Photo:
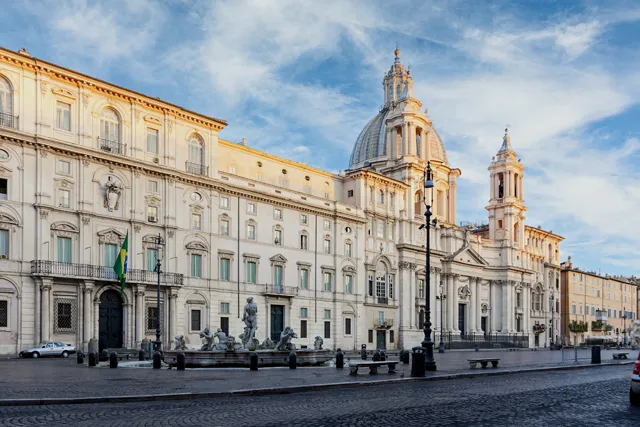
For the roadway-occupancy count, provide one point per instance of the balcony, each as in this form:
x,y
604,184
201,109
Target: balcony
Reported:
x,y
8,121
113,147
284,291
384,301
383,324
196,168
97,272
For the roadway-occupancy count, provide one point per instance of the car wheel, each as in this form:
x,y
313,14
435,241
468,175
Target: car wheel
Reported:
x,y
65,354
35,355
634,398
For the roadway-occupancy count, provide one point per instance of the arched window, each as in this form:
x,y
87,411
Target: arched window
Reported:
x,y
398,92
196,151
515,232
440,203
537,299
515,185
418,145
550,253
109,126
381,197
416,202
6,102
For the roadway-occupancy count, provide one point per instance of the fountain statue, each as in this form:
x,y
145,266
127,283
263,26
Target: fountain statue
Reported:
x,y
180,343
285,343
249,317
635,334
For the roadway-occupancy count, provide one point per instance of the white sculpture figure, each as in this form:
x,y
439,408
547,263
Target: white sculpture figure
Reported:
x,y
635,335
285,343
209,345
180,343
318,343
112,194
249,318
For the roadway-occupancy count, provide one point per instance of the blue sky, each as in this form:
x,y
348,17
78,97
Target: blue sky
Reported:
x,y
302,78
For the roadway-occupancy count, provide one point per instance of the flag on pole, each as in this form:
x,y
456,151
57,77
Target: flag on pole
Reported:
x,y
120,266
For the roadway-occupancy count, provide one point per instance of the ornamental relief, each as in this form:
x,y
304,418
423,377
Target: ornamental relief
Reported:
x,y
484,307
112,194
464,292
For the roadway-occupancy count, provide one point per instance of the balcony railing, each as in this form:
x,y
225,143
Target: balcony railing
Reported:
x,y
114,147
87,271
384,301
386,323
8,121
288,291
196,168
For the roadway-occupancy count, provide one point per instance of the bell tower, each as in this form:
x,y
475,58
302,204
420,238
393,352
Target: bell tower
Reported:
x,y
506,205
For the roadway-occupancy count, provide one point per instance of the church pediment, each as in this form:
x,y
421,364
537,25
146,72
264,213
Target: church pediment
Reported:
x,y
470,256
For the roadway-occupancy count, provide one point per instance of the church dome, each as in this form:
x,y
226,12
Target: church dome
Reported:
x,y
370,142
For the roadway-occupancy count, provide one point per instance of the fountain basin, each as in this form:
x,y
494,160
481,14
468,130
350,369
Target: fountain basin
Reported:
x,y
240,358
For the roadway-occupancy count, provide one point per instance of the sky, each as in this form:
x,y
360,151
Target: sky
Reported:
x,y
300,79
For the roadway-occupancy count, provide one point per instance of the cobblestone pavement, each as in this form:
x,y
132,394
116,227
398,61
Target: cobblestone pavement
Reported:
x,y
560,398
44,378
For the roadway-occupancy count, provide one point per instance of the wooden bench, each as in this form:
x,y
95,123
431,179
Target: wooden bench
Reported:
x,y
619,356
373,366
483,362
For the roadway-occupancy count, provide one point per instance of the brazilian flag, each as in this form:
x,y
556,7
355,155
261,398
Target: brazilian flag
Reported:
x,y
120,266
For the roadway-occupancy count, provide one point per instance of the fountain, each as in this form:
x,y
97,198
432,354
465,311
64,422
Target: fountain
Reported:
x,y
220,350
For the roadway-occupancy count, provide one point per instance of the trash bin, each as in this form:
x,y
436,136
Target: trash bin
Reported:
x,y
595,354
417,362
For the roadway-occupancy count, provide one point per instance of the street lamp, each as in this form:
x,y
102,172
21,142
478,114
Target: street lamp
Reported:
x,y
624,329
430,363
157,345
553,331
441,297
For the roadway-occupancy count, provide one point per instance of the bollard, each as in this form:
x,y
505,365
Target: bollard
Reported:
x,y
417,362
80,358
404,357
253,361
92,359
141,355
113,360
376,356
293,360
104,355
339,359
476,348
181,361
157,360
363,352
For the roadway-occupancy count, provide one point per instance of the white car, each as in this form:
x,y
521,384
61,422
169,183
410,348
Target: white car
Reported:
x,y
634,391
49,349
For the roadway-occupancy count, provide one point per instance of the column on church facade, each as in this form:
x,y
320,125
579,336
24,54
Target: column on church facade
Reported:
x,y
389,146
505,306
492,187
38,311
512,183
96,318
434,290
472,305
450,298
411,138
436,308
139,316
456,306
427,145
88,315
404,139
173,299
46,308
478,317
394,143
521,187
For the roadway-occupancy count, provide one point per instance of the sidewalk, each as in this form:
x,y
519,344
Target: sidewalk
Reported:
x,y
65,379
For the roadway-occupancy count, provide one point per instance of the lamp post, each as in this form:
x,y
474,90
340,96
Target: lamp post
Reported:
x,y
430,363
553,331
441,297
624,328
157,345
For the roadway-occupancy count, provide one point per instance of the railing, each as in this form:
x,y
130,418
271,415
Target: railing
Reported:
x,y
384,301
196,168
486,341
280,290
112,146
386,323
8,121
53,268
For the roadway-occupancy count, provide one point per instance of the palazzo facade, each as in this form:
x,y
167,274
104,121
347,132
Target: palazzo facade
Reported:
x,y
84,162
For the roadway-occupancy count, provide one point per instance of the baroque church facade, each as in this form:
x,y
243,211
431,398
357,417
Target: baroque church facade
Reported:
x,y
84,163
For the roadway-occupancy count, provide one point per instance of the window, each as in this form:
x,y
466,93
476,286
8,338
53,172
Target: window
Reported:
x,y
327,246
380,229
224,202
251,232
348,284
251,272
326,280
110,254
110,127
196,265
224,308
370,336
347,249
347,326
277,276
304,219
152,259
64,316
196,221
152,213
224,227
327,314
304,241
381,291
304,279
196,151
64,167
6,102
4,244
381,317
350,193
381,197
391,337
65,199
391,231
304,312
225,269
327,224
277,213
224,325
391,286
152,186
64,249
518,300
370,282
232,169
277,238
152,140
573,309
4,314
420,288
152,316
195,320
327,330
63,116
303,329
251,208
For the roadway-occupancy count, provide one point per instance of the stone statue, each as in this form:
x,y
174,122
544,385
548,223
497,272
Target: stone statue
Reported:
x,y
209,338
285,343
635,335
249,317
267,344
180,343
318,343
112,194
500,190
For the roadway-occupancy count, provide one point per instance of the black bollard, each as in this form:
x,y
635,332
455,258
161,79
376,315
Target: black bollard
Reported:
x,y
141,355
376,356
157,360
253,361
476,348
80,358
339,359
104,356
363,352
113,360
293,358
181,361
92,359
405,357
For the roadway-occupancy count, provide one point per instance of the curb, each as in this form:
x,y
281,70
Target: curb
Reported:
x,y
289,389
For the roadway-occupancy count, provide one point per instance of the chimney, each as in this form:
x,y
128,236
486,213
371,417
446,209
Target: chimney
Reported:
x,y
244,141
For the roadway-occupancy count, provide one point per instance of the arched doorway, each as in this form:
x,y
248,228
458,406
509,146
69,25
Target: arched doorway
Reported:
x,y
110,320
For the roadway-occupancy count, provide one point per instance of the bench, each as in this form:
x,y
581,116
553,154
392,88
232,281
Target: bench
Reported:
x,y
618,356
483,362
373,366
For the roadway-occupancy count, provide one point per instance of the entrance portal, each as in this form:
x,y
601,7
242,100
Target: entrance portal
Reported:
x,y
381,340
277,322
462,318
110,320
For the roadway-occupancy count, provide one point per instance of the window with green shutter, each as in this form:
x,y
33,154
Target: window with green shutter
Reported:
x,y
64,249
